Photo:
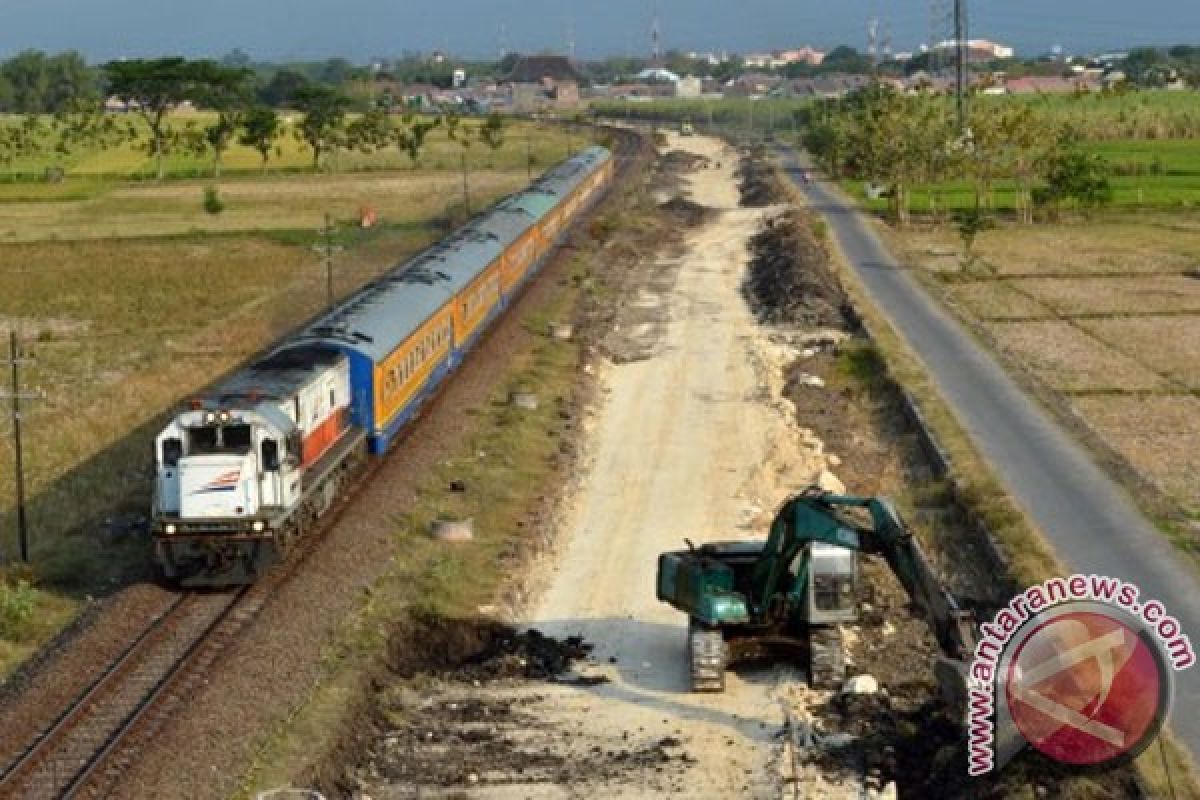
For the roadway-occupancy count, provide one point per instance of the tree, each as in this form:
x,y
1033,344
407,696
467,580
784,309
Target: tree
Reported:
x,y
221,89
152,87
28,79
69,82
371,132
281,90
324,112
491,132
410,135
1076,176
846,59
260,130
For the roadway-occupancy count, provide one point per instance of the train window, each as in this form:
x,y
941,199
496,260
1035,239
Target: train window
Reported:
x,y
172,451
332,398
235,438
270,455
202,440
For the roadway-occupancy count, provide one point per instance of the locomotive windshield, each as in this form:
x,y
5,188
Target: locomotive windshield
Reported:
x,y
211,439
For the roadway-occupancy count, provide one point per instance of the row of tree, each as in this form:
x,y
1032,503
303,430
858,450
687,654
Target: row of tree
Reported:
x,y
898,141
151,89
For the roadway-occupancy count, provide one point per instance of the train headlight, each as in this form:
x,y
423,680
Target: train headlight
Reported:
x,y
224,416
169,529
259,526
210,417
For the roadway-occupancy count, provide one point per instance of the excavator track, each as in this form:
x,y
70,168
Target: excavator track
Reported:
x,y
827,657
708,655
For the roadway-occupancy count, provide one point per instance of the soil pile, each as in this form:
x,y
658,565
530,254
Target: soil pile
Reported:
x,y
790,279
475,650
681,161
758,180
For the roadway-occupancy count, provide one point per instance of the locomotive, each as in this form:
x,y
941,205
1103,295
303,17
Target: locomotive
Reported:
x,y
255,460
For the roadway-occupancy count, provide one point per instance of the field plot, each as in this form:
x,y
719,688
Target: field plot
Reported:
x,y
1168,345
997,300
1158,435
277,203
1148,294
1067,359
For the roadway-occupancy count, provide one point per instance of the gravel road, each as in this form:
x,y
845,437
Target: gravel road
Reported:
x,y
1089,520
686,443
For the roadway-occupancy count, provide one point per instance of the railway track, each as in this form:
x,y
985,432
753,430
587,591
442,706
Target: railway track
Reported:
x,y
85,751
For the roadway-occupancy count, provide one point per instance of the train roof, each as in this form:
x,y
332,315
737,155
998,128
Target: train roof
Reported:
x,y
377,318
277,377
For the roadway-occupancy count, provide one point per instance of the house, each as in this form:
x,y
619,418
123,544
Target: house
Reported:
x,y
543,81
690,86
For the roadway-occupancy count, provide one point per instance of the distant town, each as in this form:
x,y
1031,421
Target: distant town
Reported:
x,y
35,82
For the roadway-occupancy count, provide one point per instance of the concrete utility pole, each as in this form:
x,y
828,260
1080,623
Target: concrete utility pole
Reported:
x,y
328,249
960,62
16,396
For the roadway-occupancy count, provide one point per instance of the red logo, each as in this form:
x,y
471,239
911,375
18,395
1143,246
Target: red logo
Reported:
x,y
1086,688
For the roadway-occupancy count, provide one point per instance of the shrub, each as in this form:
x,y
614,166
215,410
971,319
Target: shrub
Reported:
x,y
16,608
213,203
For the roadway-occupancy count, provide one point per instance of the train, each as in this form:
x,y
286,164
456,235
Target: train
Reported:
x,y
250,464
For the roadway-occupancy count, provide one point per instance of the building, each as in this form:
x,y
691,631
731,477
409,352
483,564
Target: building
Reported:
x,y
978,49
782,58
543,81
689,86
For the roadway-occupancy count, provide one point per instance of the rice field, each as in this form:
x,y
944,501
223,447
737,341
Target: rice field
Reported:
x,y
1104,313
1158,435
1168,345
1117,294
1066,359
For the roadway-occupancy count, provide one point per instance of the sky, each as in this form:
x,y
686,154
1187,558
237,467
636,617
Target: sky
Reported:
x,y
364,29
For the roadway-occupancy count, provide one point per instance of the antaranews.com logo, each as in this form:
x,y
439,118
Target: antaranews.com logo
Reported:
x,y
1077,667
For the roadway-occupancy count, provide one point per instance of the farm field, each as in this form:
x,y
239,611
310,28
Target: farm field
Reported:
x,y
132,300
1104,315
131,161
1154,174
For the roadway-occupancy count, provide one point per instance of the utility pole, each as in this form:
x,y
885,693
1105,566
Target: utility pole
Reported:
x,y
328,250
16,396
466,184
960,62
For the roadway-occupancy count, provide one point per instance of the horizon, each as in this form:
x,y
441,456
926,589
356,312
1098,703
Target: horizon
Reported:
x,y
319,29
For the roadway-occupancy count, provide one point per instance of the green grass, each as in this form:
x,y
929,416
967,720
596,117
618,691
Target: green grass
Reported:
x,y
1156,174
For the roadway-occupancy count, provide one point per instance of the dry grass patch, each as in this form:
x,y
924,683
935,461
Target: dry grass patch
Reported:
x,y
282,203
1115,294
1159,435
1108,247
1170,345
995,300
1067,359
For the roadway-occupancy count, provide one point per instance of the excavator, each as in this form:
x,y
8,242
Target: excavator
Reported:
x,y
788,595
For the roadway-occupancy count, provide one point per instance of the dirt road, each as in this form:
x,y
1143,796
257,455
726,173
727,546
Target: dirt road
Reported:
x,y
691,441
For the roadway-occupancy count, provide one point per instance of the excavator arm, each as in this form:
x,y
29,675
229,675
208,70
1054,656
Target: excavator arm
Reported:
x,y
954,627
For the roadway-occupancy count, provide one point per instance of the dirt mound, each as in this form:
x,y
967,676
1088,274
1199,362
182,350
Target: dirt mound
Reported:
x,y
482,650
682,161
758,180
688,212
790,279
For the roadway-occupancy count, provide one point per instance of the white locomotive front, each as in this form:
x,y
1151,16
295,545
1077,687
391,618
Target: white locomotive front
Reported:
x,y
243,470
